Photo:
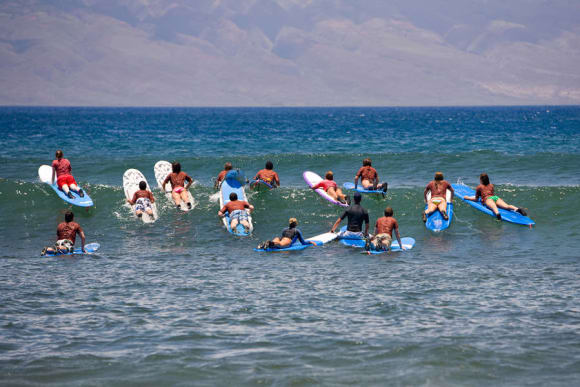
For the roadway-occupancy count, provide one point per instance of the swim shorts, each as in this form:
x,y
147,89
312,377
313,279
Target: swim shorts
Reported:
x,y
350,235
64,245
239,215
143,204
65,179
381,241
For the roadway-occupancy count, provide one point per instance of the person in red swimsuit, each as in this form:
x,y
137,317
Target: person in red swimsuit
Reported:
x,y
222,175
177,179
66,233
331,188
369,177
61,169
438,188
268,175
486,191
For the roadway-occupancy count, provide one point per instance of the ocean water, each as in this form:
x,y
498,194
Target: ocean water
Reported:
x,y
182,302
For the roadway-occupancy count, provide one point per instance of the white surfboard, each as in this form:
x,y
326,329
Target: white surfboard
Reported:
x,y
323,238
131,180
312,179
162,169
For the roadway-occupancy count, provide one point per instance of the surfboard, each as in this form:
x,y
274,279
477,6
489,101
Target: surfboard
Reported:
x,y
435,221
131,180
320,240
162,169
45,175
323,238
312,179
296,246
408,244
360,189
462,190
260,185
89,248
231,184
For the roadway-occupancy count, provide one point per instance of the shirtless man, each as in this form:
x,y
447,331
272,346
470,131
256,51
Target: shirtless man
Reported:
x,y
222,175
384,232
331,188
177,179
142,200
438,188
66,233
61,169
237,210
369,177
268,175
357,215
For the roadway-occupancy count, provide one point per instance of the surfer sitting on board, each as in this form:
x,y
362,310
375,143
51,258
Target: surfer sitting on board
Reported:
x,y
179,191
356,216
485,191
331,188
369,177
66,233
438,188
268,175
237,212
384,232
61,169
142,200
222,175
289,236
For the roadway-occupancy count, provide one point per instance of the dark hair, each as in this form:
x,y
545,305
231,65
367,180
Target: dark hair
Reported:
x,y
59,154
367,162
176,167
484,178
142,184
438,176
388,211
329,175
228,166
233,196
69,216
357,197
269,165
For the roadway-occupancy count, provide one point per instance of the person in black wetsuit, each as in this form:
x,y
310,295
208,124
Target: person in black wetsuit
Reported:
x,y
289,236
357,215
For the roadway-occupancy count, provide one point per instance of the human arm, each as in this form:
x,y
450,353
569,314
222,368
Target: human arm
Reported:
x,y
151,197
335,225
53,174
190,181
223,211
450,188
399,237
427,189
367,224
82,235
319,185
249,207
277,179
165,182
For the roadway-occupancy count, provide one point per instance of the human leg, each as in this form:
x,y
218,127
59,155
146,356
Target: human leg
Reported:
x,y
490,203
176,197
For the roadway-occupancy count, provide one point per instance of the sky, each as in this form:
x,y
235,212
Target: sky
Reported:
x,y
289,52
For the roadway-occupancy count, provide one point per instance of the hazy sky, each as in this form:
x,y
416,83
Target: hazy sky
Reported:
x,y
289,52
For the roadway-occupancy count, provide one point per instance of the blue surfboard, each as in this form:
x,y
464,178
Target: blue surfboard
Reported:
x,y
229,185
408,243
462,190
296,246
260,184
435,221
89,248
45,175
360,189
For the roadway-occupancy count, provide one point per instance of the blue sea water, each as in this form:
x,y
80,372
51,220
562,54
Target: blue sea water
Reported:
x,y
183,302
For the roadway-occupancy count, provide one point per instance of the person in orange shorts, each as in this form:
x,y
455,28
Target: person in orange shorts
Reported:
x,y
61,169
268,175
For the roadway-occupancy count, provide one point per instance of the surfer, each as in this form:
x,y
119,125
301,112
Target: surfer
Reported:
x,y
485,191
356,216
438,188
177,179
268,175
384,232
331,188
142,200
289,235
237,210
66,233
61,169
369,177
222,175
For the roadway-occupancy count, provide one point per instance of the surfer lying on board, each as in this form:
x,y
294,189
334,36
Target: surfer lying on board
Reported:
x,y
356,216
142,200
237,212
384,232
66,233
177,179
268,175
438,188
289,236
222,175
331,188
61,169
485,191
369,177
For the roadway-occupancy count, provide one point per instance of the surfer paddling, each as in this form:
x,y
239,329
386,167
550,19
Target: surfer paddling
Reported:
x,y
331,188
289,235
66,233
485,190
222,175
238,212
177,179
142,199
357,215
438,188
61,169
384,233
369,177
268,175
